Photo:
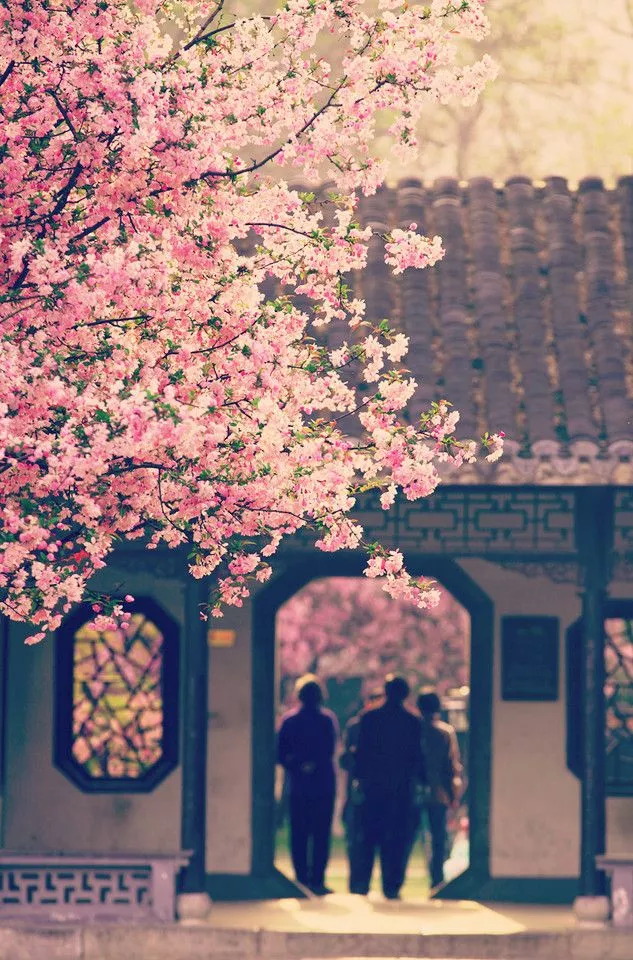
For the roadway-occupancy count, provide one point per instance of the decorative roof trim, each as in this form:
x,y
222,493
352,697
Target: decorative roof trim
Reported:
x,y
552,464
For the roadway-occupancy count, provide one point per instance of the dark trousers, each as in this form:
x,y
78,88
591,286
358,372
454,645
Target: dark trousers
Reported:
x,y
353,822
384,826
436,821
310,832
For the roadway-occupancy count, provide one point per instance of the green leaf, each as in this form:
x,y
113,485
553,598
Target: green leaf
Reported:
x,y
83,272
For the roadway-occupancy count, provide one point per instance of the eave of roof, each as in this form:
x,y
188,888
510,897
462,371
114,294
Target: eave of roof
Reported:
x,y
526,326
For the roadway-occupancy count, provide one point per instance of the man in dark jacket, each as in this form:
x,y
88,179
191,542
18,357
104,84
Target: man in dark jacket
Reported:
x,y
444,772
306,744
350,742
388,767
351,810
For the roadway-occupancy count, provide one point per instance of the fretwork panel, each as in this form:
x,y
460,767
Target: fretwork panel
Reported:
x,y
123,889
476,522
471,522
378,524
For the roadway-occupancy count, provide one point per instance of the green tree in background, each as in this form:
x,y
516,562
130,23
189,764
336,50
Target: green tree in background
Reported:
x,y
560,105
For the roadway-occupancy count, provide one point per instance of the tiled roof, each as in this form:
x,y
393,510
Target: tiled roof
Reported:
x,y
526,326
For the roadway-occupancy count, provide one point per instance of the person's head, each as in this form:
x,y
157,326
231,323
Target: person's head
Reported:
x,y
373,698
429,703
396,689
309,690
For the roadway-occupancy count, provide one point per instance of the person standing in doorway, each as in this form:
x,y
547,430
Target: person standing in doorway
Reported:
x,y
388,768
306,745
351,812
444,772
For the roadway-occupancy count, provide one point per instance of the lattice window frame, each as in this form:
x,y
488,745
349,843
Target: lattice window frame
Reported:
x,y
615,787
63,736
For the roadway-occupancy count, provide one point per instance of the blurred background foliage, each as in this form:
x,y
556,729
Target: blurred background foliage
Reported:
x,y
562,103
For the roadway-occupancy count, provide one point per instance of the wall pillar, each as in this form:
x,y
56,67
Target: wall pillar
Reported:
x,y
194,899
594,538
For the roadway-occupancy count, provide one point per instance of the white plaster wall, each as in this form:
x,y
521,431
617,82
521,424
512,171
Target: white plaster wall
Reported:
x,y
230,793
535,802
229,748
44,811
620,825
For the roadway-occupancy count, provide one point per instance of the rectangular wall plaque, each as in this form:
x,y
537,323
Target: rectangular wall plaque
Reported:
x,y
529,658
221,638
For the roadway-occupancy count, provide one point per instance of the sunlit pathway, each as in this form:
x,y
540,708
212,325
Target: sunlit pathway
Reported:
x,y
345,913
416,886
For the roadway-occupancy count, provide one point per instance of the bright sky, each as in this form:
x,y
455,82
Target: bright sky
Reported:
x,y
541,125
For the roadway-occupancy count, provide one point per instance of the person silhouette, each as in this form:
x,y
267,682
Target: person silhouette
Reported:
x,y
389,767
444,770
351,812
306,745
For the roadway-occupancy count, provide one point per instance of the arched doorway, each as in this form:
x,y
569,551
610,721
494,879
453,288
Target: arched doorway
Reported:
x,y
350,633
301,571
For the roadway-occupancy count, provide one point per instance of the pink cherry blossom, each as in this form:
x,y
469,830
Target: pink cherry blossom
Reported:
x,y
342,626
406,249
162,287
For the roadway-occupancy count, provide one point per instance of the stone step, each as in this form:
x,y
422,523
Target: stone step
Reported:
x,y
203,942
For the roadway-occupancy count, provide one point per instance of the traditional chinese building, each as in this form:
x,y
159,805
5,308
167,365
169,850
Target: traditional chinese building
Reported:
x,y
165,741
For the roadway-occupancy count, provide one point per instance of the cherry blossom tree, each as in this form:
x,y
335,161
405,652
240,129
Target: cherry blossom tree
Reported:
x,y
348,626
160,281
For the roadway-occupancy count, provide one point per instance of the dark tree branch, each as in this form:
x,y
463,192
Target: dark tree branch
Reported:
x,y
7,73
271,156
62,199
62,109
282,226
89,230
21,277
214,33
200,36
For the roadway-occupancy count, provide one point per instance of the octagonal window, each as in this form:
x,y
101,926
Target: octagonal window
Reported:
x,y
116,700
618,691
618,698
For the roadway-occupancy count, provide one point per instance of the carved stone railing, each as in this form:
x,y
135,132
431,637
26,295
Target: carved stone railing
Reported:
x,y
89,888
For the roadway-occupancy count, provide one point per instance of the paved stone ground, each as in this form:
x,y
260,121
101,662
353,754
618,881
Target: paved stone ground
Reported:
x,y
203,942
338,927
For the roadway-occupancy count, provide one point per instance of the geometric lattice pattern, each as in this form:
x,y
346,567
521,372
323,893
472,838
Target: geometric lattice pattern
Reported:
x,y
89,887
493,521
117,717
83,886
618,654
475,521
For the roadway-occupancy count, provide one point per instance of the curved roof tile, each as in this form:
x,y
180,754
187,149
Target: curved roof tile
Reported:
x,y
526,325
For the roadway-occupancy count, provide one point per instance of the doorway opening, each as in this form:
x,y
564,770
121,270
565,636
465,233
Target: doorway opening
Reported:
x,y
350,633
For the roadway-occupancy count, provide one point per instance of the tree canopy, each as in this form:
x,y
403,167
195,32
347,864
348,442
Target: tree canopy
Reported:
x,y
160,293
